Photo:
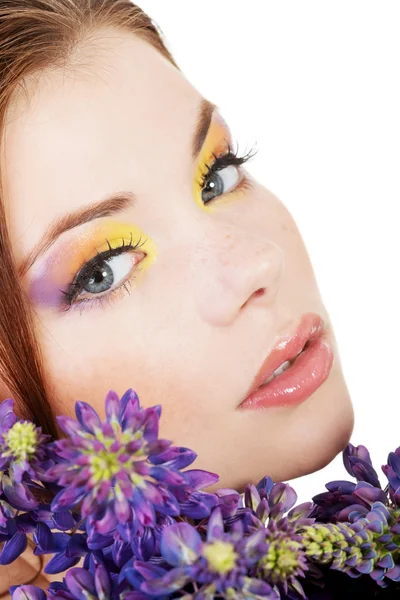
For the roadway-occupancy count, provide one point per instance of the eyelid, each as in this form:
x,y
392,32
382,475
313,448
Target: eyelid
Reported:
x,y
221,160
142,245
74,288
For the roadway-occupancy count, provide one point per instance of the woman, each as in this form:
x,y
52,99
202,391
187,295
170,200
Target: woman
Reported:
x,y
138,251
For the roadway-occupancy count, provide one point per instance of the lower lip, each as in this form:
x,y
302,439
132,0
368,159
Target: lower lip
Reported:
x,y
297,383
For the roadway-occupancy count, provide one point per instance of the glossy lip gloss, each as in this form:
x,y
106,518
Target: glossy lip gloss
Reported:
x,y
311,354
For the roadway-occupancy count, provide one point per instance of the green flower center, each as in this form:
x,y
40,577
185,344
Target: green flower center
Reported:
x,y
22,440
104,466
282,560
221,556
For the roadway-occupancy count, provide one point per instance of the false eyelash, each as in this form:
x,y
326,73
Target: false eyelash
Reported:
x,y
225,160
90,268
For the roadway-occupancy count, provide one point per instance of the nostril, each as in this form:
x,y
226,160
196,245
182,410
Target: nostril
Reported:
x,y
259,292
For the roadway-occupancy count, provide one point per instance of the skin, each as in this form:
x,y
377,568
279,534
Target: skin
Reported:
x,y
192,332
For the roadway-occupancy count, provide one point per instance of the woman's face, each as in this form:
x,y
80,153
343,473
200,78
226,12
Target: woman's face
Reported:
x,y
181,318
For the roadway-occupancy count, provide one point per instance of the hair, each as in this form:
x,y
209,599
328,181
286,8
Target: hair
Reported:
x,y
36,35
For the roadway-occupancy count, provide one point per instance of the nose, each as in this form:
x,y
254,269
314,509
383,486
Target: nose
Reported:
x,y
233,270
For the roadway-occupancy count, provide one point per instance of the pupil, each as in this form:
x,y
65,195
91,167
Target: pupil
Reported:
x,y
101,280
99,276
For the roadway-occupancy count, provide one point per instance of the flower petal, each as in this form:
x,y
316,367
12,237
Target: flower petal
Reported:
x,y
67,498
69,425
7,415
87,417
283,492
173,581
177,457
199,479
60,562
229,500
167,476
102,582
43,538
215,526
13,548
63,520
80,583
28,592
180,544
18,494
113,407
199,505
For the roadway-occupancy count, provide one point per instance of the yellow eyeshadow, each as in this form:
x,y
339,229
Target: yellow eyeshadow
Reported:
x,y
217,140
94,241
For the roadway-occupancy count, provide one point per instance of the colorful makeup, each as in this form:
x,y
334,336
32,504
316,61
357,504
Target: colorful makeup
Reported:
x,y
80,261
53,277
217,155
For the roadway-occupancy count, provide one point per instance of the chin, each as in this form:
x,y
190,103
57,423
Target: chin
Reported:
x,y
319,447
310,442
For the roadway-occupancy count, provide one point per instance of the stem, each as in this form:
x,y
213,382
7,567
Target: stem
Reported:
x,y
75,528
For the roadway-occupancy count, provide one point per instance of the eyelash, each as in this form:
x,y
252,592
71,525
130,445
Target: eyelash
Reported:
x,y
77,285
225,160
220,162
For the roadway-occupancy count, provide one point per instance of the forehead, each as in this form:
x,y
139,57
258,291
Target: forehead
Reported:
x,y
100,127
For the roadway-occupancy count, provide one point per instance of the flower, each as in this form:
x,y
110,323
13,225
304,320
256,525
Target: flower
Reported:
x,y
357,462
345,497
22,446
27,592
365,547
392,472
120,469
218,565
285,558
116,497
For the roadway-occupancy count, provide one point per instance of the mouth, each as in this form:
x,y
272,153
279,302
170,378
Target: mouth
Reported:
x,y
297,366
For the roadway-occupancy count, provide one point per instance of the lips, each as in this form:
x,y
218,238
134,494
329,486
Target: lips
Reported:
x,y
288,347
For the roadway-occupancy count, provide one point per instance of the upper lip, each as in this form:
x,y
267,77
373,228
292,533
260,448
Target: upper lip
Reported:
x,y
288,346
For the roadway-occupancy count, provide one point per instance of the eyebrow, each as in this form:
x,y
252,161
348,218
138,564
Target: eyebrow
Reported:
x,y
114,203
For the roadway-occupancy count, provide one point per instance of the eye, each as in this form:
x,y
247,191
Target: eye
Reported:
x,y
223,175
220,183
105,274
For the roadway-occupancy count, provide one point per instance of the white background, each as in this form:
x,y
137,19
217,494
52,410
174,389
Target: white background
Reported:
x,y
316,85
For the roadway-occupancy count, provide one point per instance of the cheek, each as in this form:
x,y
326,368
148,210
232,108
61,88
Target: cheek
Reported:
x,y
268,217
132,344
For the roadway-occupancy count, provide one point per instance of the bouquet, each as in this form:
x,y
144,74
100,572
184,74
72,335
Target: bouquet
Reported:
x,y
116,498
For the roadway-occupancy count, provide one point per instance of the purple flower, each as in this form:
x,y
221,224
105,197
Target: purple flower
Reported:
x,y
22,446
284,559
392,472
216,566
119,469
121,499
27,592
357,462
82,584
269,500
346,501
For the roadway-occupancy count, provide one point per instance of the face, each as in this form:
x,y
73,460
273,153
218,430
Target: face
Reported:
x,y
197,280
